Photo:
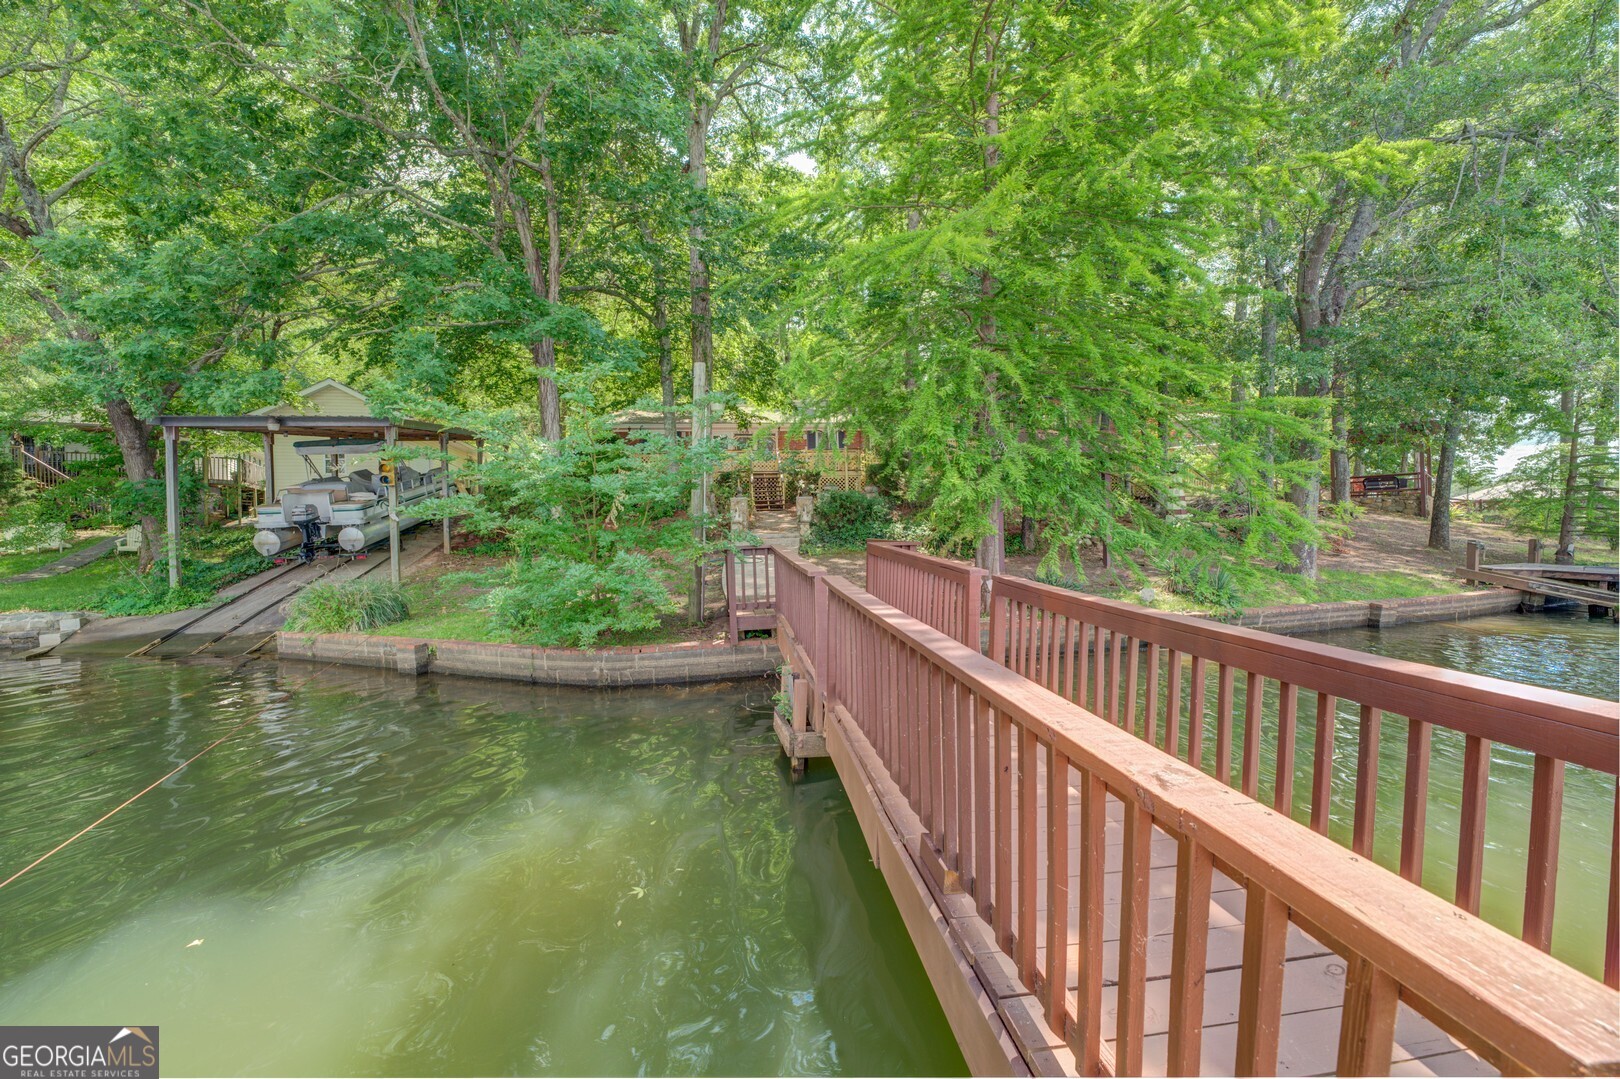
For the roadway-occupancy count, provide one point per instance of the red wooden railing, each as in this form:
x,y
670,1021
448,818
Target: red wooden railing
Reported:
x,y
945,594
1013,786
801,604
750,590
1152,674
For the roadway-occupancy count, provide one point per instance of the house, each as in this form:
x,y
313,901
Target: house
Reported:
x,y
786,456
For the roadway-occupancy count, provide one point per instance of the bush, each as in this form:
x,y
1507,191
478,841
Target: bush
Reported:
x,y
1208,583
847,519
555,601
211,560
346,607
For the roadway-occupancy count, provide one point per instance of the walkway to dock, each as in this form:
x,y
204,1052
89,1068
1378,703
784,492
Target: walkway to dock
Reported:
x,y
1206,931
76,560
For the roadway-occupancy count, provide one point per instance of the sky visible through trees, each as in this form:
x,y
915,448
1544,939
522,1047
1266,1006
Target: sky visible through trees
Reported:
x,y
1157,275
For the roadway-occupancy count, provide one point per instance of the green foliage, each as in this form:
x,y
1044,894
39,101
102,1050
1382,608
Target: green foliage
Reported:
x,y
346,607
598,525
845,520
211,560
1207,583
554,601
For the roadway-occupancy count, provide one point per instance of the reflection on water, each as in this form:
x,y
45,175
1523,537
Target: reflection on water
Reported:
x,y
1563,650
380,875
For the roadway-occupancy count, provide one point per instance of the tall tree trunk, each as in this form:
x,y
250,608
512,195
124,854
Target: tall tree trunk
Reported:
x,y
1440,512
133,436
666,364
543,283
1565,555
992,551
1340,451
702,322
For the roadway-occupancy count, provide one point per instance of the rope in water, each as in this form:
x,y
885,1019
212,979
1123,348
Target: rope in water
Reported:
x,y
156,783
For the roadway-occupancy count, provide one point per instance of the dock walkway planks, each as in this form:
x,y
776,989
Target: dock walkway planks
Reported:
x,y
1313,979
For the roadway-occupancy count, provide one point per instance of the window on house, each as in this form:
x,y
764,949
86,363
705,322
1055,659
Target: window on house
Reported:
x,y
810,440
841,440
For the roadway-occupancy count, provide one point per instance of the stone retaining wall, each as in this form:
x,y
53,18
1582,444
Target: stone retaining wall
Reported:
x,y
661,664
37,629
1317,617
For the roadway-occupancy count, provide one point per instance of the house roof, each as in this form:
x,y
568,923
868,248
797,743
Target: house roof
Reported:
x,y
311,390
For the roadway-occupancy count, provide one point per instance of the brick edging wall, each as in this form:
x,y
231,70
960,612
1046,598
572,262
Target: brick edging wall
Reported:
x,y
662,664
1315,617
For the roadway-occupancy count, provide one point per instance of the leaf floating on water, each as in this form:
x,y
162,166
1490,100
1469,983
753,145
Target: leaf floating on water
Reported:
x,y
194,943
639,892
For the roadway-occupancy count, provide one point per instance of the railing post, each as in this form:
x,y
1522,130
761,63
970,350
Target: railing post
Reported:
x,y
731,595
978,587
819,647
1473,557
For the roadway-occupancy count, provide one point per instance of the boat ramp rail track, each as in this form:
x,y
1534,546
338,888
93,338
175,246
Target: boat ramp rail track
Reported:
x,y
1122,911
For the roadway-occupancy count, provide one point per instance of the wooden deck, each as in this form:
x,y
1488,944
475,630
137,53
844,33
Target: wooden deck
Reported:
x,y
1313,976
1203,931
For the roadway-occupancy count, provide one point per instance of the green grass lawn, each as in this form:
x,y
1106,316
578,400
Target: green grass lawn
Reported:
x,y
1274,587
76,590
21,563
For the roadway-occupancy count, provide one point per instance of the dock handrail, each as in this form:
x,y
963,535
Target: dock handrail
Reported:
x,y
976,749
750,589
802,603
1091,650
942,593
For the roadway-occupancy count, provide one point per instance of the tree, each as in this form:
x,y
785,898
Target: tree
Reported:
x,y
1019,301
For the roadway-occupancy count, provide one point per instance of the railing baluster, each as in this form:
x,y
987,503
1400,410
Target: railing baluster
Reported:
x,y
1265,947
1546,813
1150,709
1223,725
1327,708
1254,694
1282,795
1057,889
1415,804
1070,633
1189,957
984,722
1133,929
1367,1023
1172,705
1115,659
1361,835
1476,779
1611,941
1082,656
1003,829
1085,1037
1028,871
1133,663
1195,715
1049,674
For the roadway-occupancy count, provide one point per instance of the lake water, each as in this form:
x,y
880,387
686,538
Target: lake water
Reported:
x,y
378,875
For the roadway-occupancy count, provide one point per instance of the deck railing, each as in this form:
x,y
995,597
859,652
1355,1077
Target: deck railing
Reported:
x,y
750,590
801,604
1013,785
944,594
1156,675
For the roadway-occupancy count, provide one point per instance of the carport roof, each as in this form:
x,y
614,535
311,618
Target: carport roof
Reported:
x,y
319,427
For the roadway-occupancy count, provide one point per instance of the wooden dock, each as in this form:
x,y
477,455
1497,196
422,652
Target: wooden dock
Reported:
x,y
1593,585
1204,931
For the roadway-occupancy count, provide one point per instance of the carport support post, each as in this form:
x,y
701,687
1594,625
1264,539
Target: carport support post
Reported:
x,y
444,482
269,468
393,511
171,492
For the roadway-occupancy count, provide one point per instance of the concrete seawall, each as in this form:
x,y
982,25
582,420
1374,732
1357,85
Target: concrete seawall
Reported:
x,y
662,664
1317,617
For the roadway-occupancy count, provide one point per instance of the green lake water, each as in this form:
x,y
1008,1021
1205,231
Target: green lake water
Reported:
x,y
379,875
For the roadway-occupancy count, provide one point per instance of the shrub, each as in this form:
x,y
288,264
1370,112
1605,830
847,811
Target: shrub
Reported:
x,y
846,519
555,601
1205,582
211,560
346,607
